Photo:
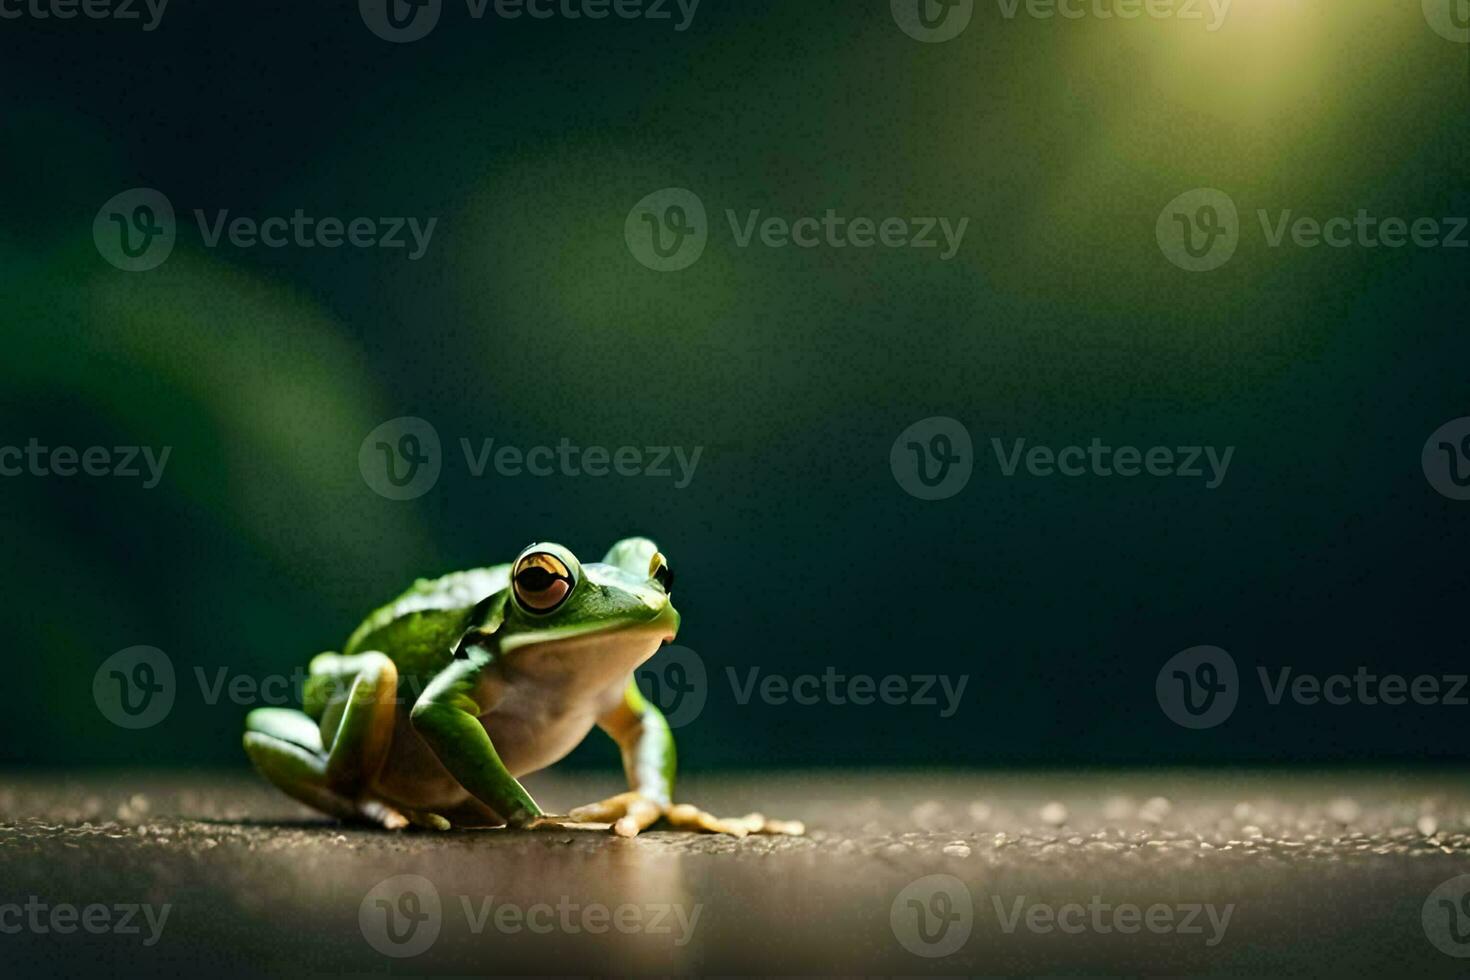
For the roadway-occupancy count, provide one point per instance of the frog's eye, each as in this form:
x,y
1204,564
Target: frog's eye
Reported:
x,y
660,572
542,581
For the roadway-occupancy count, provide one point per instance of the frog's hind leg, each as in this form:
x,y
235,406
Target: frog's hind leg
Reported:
x,y
286,748
363,732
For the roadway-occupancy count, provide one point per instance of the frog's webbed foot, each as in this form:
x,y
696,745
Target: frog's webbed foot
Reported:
x,y
631,813
685,816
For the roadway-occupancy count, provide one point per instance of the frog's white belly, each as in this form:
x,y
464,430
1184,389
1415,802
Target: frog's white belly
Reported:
x,y
533,729
544,705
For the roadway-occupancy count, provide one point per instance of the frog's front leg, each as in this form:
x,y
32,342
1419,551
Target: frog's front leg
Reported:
x,y
649,760
448,717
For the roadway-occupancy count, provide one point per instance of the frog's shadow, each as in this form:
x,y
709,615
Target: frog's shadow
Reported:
x,y
367,829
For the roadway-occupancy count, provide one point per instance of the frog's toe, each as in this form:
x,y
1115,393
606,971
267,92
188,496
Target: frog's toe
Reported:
x,y
760,824
553,821
629,813
424,820
382,814
687,817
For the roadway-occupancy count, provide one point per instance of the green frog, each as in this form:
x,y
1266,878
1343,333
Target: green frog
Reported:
x,y
441,699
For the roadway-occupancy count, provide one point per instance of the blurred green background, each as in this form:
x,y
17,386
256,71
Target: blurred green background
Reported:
x,y
529,321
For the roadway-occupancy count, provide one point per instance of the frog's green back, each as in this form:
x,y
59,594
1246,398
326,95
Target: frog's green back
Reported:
x,y
420,628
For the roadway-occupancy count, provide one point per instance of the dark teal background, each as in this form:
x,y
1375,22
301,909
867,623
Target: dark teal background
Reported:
x,y
528,321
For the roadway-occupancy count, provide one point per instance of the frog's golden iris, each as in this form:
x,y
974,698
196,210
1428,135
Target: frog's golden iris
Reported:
x,y
542,581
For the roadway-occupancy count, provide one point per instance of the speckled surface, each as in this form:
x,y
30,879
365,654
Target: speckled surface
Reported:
x,y
1317,873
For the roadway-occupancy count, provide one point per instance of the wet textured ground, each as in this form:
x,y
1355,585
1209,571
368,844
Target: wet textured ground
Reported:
x,y
1101,873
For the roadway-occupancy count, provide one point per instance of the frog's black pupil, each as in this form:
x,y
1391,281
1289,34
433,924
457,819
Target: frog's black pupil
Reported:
x,y
535,578
665,577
